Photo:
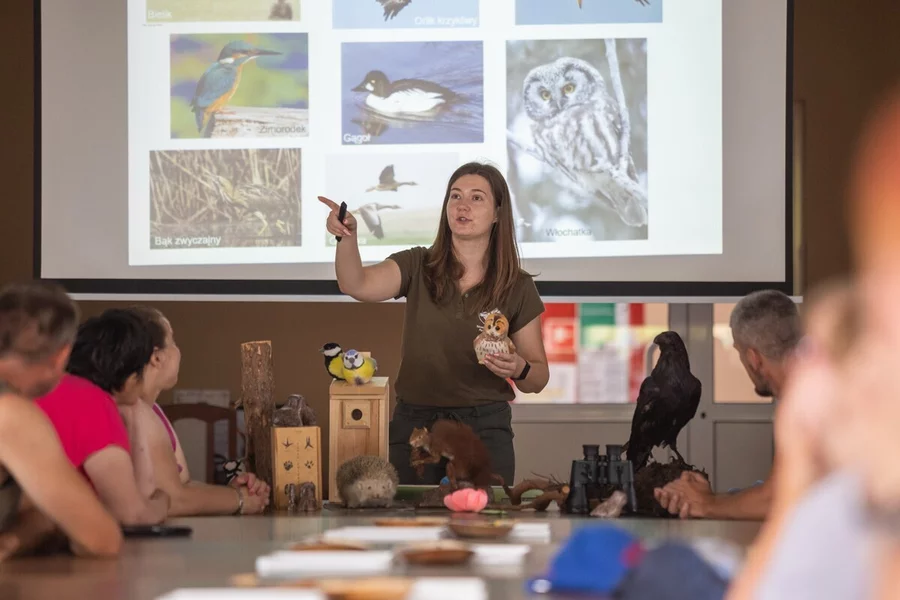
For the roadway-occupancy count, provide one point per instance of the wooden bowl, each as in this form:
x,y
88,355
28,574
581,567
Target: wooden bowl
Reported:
x,y
372,588
328,546
414,522
481,529
437,554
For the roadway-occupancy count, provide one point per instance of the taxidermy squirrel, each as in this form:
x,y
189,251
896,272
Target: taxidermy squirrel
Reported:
x,y
468,457
494,336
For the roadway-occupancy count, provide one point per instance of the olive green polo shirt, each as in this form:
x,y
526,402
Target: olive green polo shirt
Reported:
x,y
438,366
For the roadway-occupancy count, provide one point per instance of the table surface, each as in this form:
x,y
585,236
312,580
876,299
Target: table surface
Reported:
x,y
224,546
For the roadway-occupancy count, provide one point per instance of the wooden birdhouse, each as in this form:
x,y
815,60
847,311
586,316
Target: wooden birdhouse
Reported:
x,y
358,424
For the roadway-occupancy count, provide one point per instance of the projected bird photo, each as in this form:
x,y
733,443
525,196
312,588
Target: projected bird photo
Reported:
x,y
572,12
396,198
224,198
211,11
402,14
412,93
577,139
239,85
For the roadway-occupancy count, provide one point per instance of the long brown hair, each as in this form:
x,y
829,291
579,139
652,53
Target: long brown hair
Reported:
x,y
443,270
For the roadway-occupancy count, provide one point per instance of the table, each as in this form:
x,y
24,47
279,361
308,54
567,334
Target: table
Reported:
x,y
225,546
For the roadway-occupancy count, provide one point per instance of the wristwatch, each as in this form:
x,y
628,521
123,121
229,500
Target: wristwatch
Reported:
x,y
524,372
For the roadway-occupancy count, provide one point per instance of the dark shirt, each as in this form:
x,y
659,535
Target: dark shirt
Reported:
x,y
438,366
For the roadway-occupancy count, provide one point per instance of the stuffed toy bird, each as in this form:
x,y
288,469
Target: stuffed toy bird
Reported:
x,y
494,336
358,368
333,360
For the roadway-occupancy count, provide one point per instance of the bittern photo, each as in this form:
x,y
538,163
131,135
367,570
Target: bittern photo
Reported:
x,y
395,197
240,85
224,198
211,11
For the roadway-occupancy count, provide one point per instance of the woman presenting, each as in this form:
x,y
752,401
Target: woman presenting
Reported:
x,y
472,267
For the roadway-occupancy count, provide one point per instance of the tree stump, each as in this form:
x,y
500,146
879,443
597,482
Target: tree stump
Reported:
x,y
258,400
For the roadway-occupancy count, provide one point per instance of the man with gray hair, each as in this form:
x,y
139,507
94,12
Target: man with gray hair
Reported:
x,y
766,329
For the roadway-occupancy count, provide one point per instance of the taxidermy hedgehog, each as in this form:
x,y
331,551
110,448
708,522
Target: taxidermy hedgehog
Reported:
x,y
367,482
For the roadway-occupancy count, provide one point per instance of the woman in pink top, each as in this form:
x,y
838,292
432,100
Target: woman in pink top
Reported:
x,y
244,495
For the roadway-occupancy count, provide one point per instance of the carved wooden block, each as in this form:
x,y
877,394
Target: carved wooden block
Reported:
x,y
297,458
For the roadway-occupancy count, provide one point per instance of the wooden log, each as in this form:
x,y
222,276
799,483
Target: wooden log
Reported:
x,y
240,121
258,400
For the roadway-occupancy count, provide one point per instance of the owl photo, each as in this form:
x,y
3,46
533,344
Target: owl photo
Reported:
x,y
577,139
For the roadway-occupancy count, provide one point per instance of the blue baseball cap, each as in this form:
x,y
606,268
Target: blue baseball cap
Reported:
x,y
595,559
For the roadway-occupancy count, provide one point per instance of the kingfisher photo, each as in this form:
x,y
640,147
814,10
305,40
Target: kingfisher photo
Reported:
x,y
224,198
211,11
395,197
239,85
412,93
404,14
576,118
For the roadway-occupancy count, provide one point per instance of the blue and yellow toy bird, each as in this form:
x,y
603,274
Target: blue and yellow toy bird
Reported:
x,y
220,81
358,368
334,359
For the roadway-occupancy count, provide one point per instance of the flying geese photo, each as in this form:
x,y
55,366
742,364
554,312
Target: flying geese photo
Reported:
x,y
211,11
239,85
588,12
404,14
396,198
224,198
577,138
412,93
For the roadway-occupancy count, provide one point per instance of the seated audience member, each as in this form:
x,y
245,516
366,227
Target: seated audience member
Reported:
x,y
765,327
108,357
40,493
244,495
816,541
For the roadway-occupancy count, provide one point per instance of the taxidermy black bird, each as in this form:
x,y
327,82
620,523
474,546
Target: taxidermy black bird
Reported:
x,y
334,360
667,401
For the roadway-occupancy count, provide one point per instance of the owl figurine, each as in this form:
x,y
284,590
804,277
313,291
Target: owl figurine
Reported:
x,y
494,336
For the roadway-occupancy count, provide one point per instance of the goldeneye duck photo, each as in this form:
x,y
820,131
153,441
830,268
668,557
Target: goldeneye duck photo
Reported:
x,y
404,96
415,92
404,14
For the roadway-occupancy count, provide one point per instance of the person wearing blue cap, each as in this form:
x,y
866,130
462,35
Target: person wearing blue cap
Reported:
x,y
611,561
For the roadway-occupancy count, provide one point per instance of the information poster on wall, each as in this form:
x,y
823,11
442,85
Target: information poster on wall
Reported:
x,y
603,356
559,325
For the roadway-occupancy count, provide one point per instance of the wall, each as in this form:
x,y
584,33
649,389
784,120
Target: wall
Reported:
x,y
845,54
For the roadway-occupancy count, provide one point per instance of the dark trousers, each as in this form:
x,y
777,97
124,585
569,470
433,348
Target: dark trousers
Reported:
x,y
491,422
